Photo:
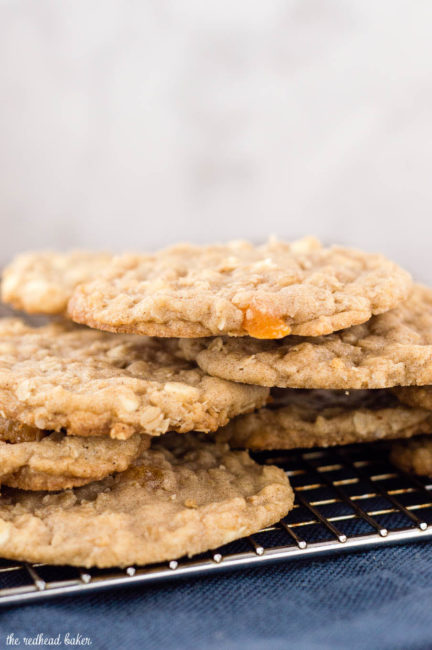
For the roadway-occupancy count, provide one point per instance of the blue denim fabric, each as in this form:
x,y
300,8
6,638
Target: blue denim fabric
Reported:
x,y
376,599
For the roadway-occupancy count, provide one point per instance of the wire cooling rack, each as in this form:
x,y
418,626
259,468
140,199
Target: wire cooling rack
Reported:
x,y
347,499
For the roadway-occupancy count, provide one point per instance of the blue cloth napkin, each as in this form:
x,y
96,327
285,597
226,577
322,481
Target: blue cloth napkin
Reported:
x,y
376,599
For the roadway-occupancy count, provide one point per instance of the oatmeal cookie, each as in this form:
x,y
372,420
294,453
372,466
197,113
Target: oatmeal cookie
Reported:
x,y
58,461
392,349
418,396
92,383
413,456
183,496
239,289
42,282
325,418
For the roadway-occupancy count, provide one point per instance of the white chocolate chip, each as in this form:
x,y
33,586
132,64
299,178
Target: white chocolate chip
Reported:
x,y
181,390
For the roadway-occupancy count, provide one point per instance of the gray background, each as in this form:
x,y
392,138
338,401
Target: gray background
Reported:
x,y
132,124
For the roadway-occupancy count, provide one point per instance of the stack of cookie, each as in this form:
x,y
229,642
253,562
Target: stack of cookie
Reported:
x,y
274,346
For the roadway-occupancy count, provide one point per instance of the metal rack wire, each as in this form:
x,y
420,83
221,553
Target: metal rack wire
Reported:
x,y
347,499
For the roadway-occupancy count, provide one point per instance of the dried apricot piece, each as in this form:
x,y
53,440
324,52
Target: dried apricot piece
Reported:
x,y
264,326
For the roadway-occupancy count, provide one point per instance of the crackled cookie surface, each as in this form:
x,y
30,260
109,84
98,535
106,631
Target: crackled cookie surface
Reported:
x,y
299,419
42,282
91,383
240,289
183,496
413,455
391,349
58,461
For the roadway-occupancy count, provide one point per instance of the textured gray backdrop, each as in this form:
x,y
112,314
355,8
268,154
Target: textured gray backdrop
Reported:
x,y
135,123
